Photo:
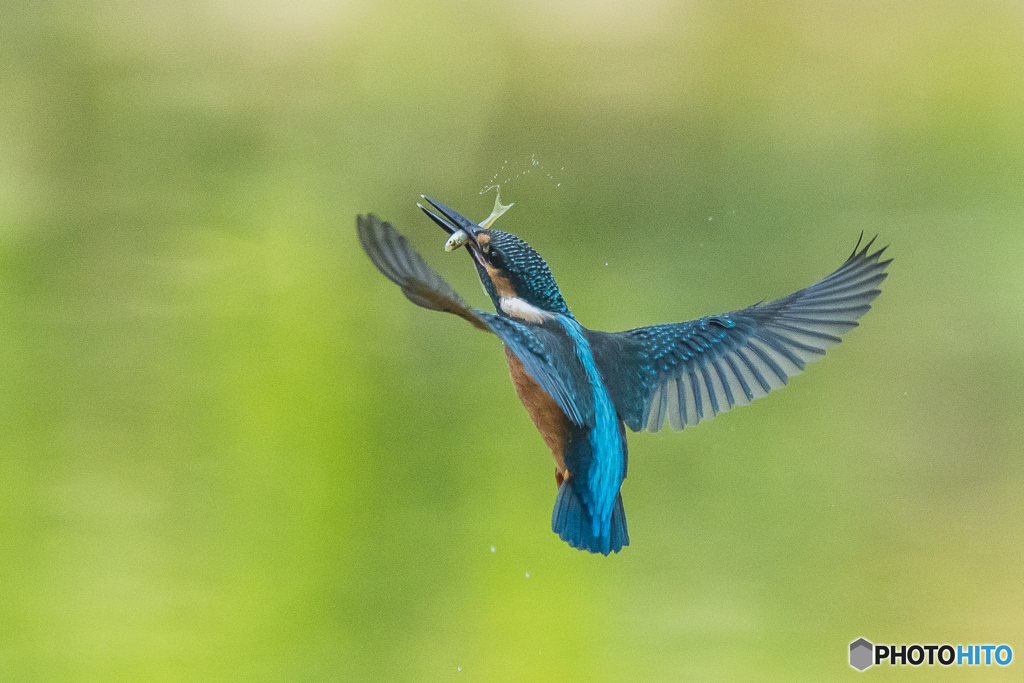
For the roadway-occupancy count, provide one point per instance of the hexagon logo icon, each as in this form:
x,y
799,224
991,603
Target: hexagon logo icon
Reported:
x,y
861,652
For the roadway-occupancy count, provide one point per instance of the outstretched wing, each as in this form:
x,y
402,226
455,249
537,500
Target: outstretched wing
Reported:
x,y
694,370
402,264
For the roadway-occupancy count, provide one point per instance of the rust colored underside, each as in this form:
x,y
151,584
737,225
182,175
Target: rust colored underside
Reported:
x,y
551,422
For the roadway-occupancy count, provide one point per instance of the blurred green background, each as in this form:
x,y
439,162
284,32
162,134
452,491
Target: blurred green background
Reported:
x,y
231,451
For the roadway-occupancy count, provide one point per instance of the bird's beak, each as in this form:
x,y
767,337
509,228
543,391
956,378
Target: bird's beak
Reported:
x,y
461,229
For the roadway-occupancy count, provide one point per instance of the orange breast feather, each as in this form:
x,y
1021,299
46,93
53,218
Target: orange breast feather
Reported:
x,y
551,422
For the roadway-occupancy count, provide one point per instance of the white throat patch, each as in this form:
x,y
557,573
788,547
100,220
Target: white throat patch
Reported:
x,y
518,308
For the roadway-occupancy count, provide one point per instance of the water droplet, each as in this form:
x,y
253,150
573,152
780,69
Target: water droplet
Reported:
x,y
527,574
493,548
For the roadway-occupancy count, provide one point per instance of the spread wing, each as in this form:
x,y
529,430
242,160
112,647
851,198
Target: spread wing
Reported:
x,y
532,343
400,263
694,370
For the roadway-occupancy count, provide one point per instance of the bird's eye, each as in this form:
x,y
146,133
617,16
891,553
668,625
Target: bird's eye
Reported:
x,y
496,259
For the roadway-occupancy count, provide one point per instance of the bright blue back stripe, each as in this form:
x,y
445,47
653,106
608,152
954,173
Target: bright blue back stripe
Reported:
x,y
605,474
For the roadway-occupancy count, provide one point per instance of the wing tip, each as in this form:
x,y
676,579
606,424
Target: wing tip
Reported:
x,y
862,253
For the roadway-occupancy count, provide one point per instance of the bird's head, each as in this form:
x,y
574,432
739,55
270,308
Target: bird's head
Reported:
x,y
515,276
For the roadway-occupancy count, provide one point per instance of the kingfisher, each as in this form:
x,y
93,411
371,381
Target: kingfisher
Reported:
x,y
582,387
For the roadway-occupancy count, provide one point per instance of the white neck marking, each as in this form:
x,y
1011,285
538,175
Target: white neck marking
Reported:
x,y
518,308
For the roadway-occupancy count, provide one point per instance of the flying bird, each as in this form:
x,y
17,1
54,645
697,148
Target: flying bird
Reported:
x,y
582,387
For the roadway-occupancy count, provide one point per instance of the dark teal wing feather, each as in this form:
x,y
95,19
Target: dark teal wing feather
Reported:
x,y
689,372
396,259
541,350
550,359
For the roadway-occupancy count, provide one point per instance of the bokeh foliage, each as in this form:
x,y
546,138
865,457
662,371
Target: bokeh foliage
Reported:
x,y
230,450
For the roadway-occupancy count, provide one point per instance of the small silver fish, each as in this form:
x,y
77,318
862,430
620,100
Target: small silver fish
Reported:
x,y
460,237
457,239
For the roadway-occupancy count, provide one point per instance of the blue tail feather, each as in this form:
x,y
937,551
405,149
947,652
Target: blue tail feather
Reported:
x,y
573,523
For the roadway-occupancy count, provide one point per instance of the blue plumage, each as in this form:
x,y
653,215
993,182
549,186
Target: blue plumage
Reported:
x,y
528,274
582,386
572,522
604,474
